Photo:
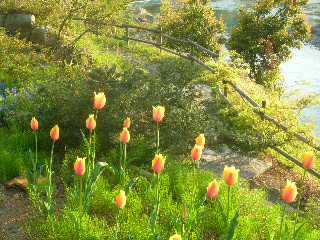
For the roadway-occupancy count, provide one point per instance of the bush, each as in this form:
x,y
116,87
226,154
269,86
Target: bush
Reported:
x,y
194,21
266,34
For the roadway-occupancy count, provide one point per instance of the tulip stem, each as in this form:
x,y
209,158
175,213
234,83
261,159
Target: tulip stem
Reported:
x,y
35,161
124,158
299,202
229,195
80,194
158,137
282,219
50,175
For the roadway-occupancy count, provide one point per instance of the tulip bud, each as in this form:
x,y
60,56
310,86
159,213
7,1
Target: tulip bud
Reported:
x,y
230,175
175,237
196,153
289,193
34,124
213,189
125,136
127,123
308,160
121,199
99,100
91,122
80,166
54,133
158,163
200,140
158,113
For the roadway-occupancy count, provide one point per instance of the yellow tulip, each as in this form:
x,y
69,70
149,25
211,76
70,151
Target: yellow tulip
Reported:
x,y
230,175
289,193
99,100
34,124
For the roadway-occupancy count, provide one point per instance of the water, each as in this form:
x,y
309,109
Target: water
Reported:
x,y
302,72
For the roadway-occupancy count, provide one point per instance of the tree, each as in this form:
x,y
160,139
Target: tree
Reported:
x,y
194,20
59,14
266,34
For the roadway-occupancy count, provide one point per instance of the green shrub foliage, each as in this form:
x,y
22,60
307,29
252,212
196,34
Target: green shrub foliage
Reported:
x,y
194,21
266,34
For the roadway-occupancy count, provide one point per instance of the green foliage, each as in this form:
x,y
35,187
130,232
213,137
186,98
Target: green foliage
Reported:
x,y
71,225
15,155
192,21
266,34
59,14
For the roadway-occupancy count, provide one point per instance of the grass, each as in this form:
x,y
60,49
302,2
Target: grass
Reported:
x,y
179,188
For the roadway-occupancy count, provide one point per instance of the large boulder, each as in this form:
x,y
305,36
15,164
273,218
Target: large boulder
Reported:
x,y
43,36
14,22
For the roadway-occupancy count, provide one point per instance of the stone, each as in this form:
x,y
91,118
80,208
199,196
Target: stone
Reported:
x,y
43,36
2,20
249,167
14,22
205,91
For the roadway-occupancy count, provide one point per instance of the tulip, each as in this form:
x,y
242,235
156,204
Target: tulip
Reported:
x,y
158,163
230,175
308,160
121,199
125,136
34,124
127,123
196,152
158,113
213,189
80,166
54,133
99,100
289,193
175,237
91,122
200,140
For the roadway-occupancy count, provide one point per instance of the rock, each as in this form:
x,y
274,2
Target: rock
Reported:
x,y
14,22
205,91
43,36
2,19
249,167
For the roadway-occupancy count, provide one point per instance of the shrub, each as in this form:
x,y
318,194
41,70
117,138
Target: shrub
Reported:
x,y
194,21
266,34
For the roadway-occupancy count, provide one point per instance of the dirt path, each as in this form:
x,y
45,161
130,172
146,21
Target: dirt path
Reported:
x,y
15,208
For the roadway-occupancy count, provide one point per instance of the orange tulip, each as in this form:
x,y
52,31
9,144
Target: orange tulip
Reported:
x,y
200,140
127,123
121,199
158,163
158,113
213,189
289,193
54,133
196,153
230,175
99,100
308,160
91,122
80,166
125,136
175,237
34,124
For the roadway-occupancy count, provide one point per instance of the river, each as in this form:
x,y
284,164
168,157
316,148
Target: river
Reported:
x,y
302,71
